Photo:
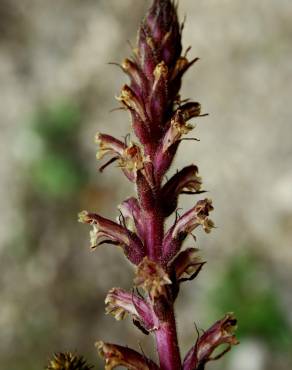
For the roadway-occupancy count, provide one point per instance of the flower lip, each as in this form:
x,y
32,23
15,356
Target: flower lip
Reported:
x,y
108,145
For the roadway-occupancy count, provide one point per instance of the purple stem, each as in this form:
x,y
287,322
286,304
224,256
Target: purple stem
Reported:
x,y
166,335
167,343
154,234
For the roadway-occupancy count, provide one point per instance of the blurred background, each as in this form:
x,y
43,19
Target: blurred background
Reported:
x,y
57,90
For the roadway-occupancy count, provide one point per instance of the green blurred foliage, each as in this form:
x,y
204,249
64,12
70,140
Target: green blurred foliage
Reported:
x,y
248,289
58,123
58,172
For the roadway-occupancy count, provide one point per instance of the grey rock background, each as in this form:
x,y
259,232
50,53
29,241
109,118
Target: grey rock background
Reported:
x,y
52,297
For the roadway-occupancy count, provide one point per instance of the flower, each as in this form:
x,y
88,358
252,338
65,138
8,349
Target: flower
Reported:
x,y
120,303
184,225
107,231
222,332
152,277
116,355
185,181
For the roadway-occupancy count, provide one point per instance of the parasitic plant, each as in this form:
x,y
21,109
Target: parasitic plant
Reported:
x,y
160,119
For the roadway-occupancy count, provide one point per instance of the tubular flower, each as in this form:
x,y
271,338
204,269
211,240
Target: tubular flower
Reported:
x,y
185,181
131,211
107,231
108,145
115,356
222,332
120,303
187,265
195,217
130,158
178,127
160,119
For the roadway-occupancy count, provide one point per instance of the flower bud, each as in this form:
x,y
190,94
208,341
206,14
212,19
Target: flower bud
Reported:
x,y
159,94
139,83
162,27
132,102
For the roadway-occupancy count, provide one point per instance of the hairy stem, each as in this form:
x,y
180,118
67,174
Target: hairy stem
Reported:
x,y
154,234
167,343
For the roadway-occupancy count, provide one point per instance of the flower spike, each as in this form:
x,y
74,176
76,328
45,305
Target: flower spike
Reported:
x,y
160,119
